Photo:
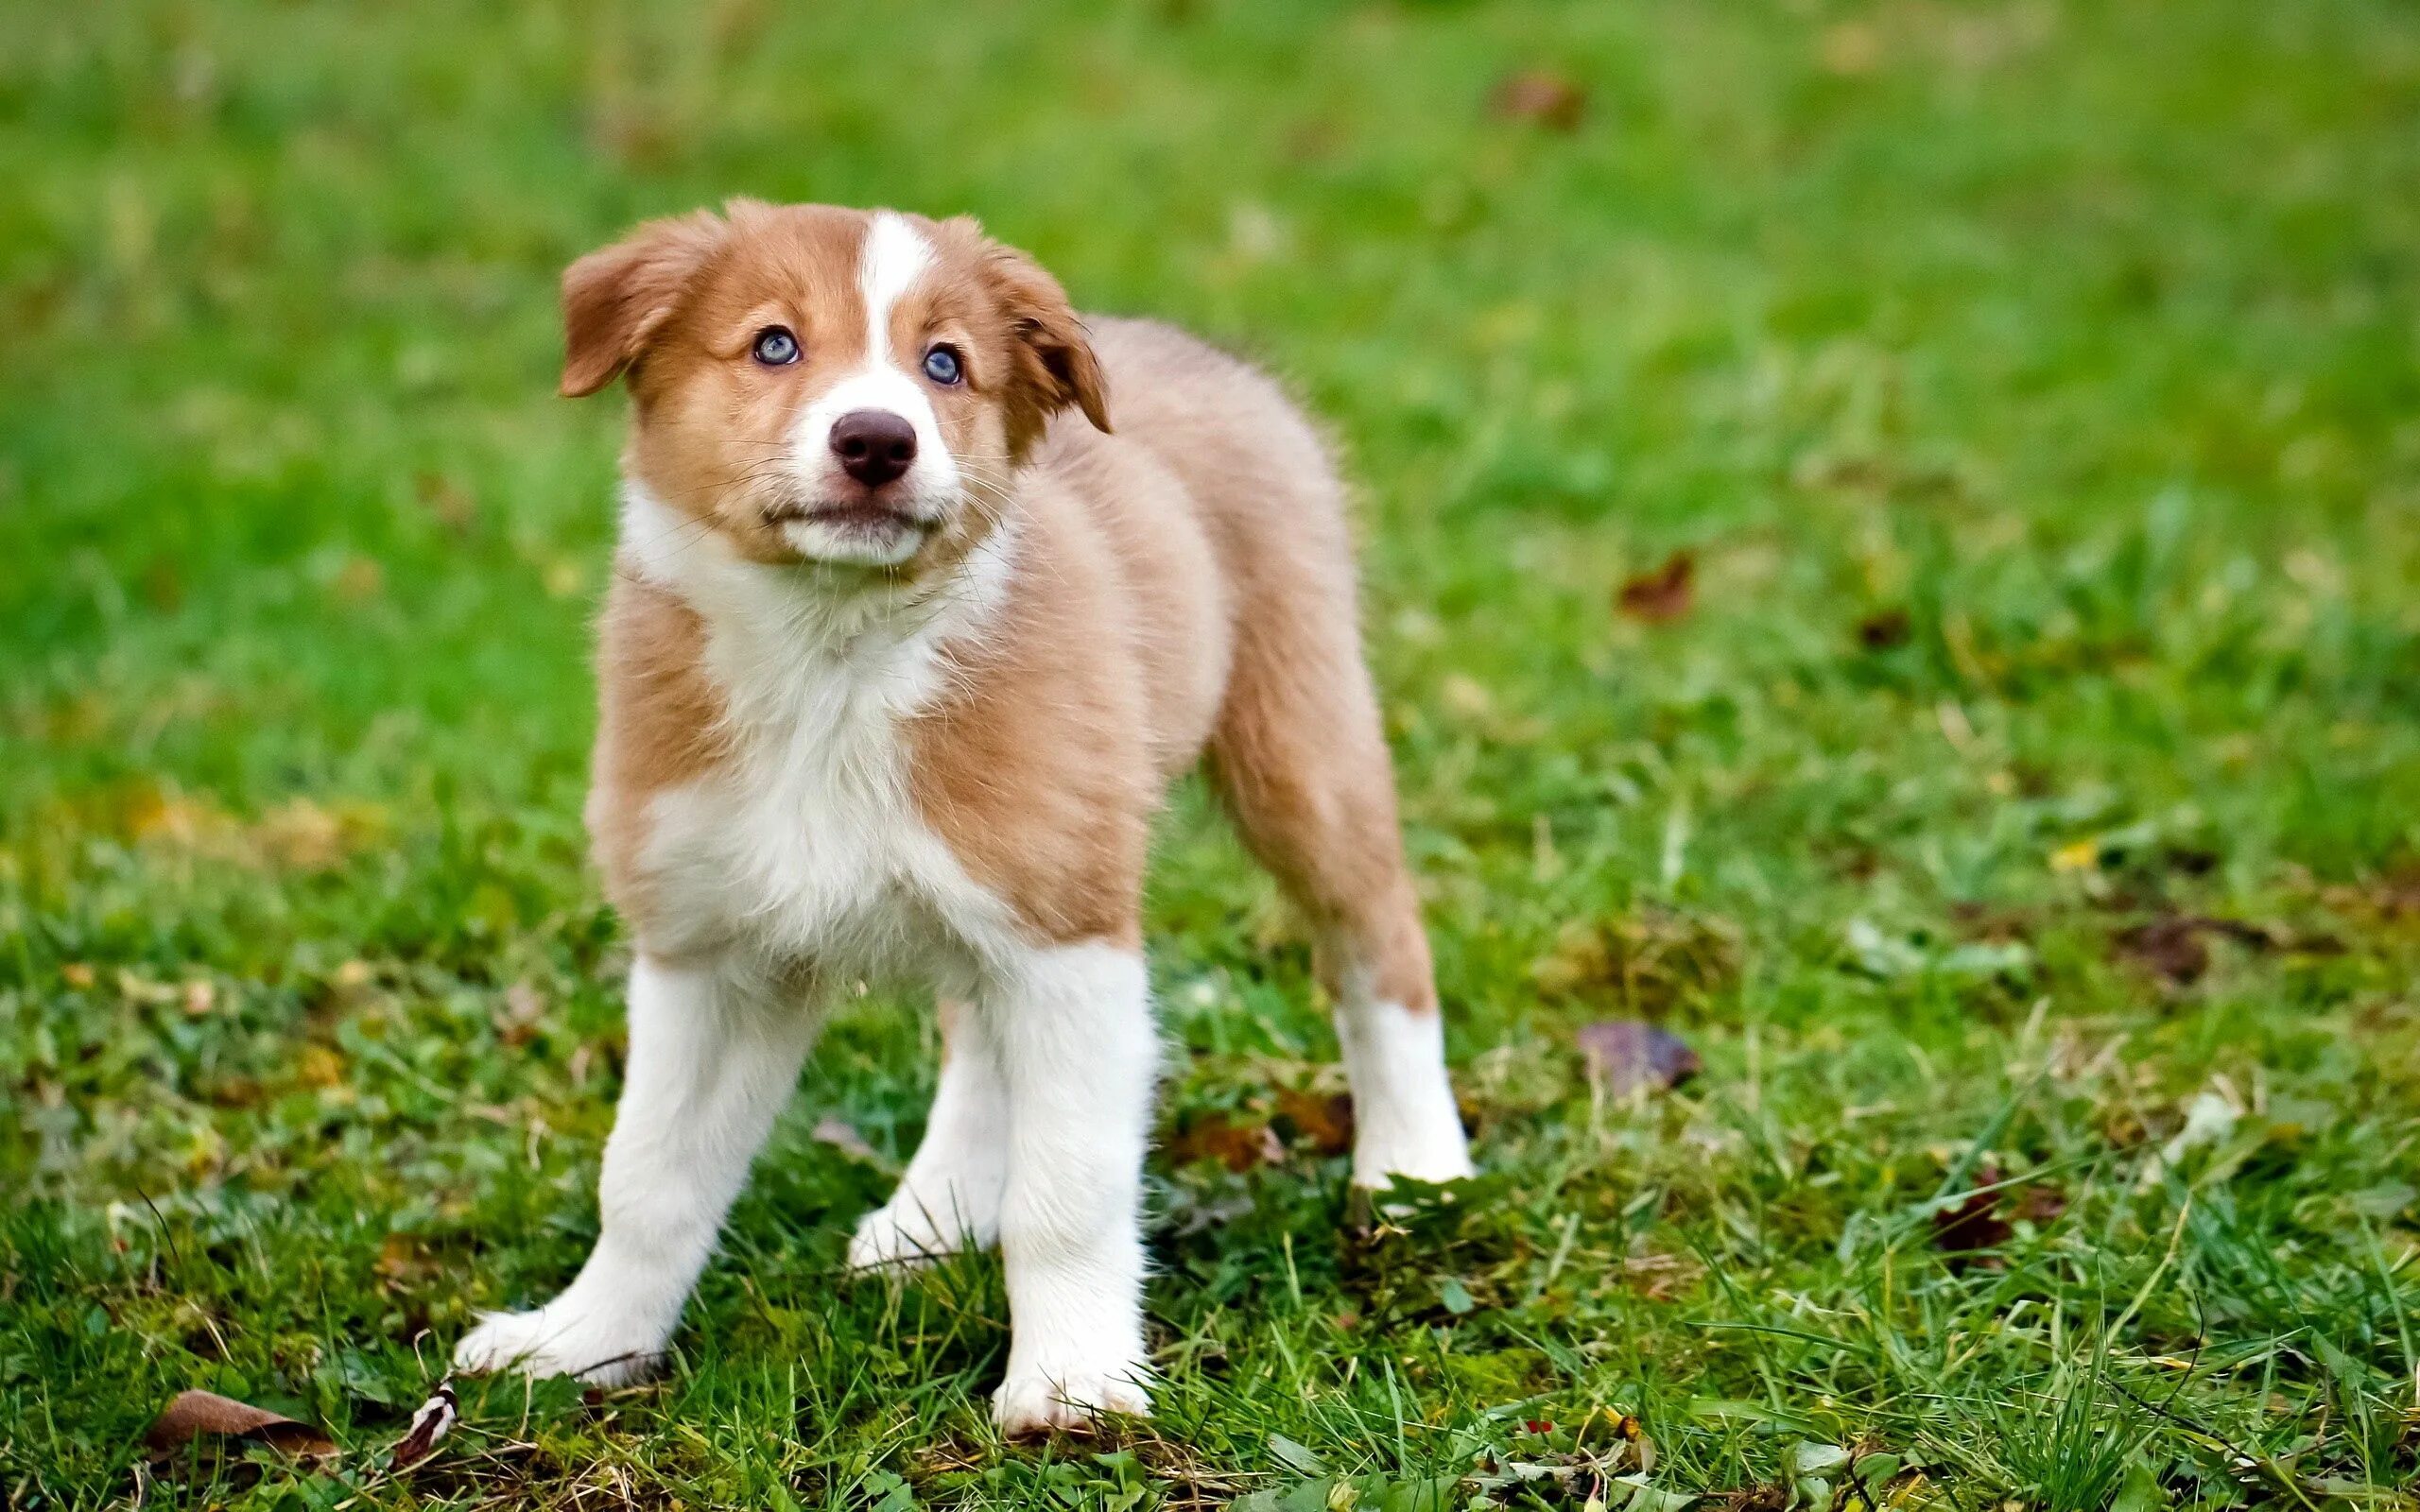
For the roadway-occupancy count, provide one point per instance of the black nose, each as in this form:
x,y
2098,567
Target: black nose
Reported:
x,y
874,445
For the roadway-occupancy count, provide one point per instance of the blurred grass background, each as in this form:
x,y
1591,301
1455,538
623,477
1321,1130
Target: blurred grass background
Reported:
x,y
2030,386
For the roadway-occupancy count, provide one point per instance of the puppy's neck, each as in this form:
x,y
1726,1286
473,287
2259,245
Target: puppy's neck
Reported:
x,y
770,629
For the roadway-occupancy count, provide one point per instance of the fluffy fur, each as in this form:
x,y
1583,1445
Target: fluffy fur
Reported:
x,y
917,728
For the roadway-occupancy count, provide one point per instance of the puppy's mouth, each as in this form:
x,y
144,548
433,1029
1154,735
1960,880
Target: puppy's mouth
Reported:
x,y
863,516
864,531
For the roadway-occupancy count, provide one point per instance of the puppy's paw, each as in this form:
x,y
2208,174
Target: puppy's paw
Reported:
x,y
1435,1152
1074,1401
893,1237
557,1340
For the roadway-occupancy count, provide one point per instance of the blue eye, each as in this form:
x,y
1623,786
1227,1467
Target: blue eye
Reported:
x,y
941,365
775,347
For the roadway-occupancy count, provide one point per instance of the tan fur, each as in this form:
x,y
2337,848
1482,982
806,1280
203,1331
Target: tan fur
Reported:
x,y
659,723
1182,585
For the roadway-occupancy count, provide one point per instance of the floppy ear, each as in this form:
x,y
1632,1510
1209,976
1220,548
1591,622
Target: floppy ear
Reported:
x,y
1055,366
615,297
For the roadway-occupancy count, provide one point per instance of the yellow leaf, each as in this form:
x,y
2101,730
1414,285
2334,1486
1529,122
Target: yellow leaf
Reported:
x,y
2082,856
321,1066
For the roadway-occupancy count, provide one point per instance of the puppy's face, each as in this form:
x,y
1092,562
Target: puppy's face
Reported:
x,y
828,386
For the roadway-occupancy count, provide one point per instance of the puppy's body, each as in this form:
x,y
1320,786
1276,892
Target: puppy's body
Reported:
x,y
917,727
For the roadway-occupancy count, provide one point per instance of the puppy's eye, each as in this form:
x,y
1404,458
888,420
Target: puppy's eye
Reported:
x,y
775,347
941,365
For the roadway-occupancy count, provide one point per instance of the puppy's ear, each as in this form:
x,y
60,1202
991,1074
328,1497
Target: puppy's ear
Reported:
x,y
1054,363
615,297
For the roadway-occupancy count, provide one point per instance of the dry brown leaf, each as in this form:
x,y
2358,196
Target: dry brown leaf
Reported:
x,y
1884,629
1986,1220
403,1261
1974,1225
199,1417
1236,1146
1542,98
2172,946
1625,1055
1322,1121
431,1423
1662,595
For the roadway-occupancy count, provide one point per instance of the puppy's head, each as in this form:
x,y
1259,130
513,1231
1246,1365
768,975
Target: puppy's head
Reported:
x,y
820,384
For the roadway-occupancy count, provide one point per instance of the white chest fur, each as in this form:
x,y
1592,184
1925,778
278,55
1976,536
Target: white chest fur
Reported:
x,y
806,847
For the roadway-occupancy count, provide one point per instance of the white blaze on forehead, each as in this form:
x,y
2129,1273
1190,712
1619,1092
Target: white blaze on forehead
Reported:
x,y
894,256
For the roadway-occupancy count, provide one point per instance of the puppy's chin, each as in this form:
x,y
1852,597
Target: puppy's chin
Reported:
x,y
855,537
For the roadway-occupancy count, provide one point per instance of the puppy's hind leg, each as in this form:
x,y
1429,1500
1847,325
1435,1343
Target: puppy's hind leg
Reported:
x,y
1302,760
709,1065
950,1196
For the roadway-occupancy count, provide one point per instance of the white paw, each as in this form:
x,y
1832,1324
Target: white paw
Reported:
x,y
902,1234
1437,1153
1072,1401
559,1341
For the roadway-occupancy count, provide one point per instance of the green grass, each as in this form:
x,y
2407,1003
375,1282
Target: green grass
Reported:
x,y
2033,383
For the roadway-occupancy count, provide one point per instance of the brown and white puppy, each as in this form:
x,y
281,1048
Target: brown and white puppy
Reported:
x,y
905,645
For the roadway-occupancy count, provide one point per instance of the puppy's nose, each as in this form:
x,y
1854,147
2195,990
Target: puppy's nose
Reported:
x,y
874,445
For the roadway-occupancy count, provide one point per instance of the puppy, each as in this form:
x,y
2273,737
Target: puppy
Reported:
x,y
904,645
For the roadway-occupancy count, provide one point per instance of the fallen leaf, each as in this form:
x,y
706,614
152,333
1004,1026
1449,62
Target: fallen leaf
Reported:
x,y
1625,1055
2172,946
429,1424
2193,861
1974,1225
1647,960
2040,1203
2208,1119
1542,98
403,1261
2083,856
1236,1146
203,1415
1884,629
320,1066
1322,1121
1662,595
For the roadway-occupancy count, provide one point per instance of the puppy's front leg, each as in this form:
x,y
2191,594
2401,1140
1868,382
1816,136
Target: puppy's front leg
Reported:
x,y
950,1195
709,1065
1072,1025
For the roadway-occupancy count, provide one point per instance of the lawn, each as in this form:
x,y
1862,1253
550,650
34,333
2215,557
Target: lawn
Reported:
x,y
1894,555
